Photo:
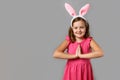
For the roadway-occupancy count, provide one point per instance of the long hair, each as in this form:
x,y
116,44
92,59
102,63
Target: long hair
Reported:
x,y
71,34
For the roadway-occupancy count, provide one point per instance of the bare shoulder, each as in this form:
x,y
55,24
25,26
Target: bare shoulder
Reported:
x,y
63,46
94,45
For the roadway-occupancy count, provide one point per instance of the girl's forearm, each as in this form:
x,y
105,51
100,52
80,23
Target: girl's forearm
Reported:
x,y
62,55
95,54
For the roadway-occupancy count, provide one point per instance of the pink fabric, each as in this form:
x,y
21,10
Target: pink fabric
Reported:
x,y
78,69
84,9
70,10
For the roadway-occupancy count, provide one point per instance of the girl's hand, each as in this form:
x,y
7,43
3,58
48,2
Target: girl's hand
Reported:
x,y
78,51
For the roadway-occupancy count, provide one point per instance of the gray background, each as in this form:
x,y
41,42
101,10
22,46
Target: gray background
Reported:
x,y
30,30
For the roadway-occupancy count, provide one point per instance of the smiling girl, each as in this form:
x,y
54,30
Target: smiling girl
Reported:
x,y
81,47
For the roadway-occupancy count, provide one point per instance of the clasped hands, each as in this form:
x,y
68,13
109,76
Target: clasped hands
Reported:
x,y
78,51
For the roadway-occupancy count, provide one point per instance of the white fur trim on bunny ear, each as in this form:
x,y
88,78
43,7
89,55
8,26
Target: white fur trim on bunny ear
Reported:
x,y
76,17
70,10
84,9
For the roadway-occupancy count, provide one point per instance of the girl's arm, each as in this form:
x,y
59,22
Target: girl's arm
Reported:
x,y
59,52
97,51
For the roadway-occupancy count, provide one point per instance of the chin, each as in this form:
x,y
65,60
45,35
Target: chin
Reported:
x,y
79,36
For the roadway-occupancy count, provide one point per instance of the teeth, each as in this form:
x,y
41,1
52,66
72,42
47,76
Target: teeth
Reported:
x,y
79,33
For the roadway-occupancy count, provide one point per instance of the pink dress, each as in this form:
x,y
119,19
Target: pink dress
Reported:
x,y
78,69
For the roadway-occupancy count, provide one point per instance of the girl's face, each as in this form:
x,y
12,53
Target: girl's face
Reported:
x,y
79,29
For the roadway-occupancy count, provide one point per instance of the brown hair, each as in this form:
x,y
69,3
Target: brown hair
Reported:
x,y
70,32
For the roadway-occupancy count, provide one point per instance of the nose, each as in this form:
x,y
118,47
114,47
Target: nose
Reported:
x,y
79,29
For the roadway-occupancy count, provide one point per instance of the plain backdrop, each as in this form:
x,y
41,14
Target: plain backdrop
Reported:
x,y
30,30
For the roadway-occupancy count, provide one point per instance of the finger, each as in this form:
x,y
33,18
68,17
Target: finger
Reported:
x,y
77,51
79,47
76,54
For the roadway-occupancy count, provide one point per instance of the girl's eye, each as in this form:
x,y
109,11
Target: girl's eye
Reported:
x,y
81,27
75,27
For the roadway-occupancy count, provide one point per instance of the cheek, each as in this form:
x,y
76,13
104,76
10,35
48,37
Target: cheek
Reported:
x,y
84,30
74,30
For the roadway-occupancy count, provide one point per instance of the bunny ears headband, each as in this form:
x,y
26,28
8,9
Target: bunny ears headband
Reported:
x,y
72,12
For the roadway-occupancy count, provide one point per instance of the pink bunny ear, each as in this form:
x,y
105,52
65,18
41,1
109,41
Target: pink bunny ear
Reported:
x,y
84,9
70,10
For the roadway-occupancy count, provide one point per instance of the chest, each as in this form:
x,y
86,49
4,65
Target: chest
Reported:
x,y
85,47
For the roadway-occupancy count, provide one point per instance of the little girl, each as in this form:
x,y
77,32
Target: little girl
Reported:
x,y
81,47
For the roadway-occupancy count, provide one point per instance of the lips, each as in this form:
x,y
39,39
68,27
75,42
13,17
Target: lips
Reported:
x,y
78,33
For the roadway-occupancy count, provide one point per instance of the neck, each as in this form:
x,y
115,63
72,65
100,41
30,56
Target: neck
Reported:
x,y
79,39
